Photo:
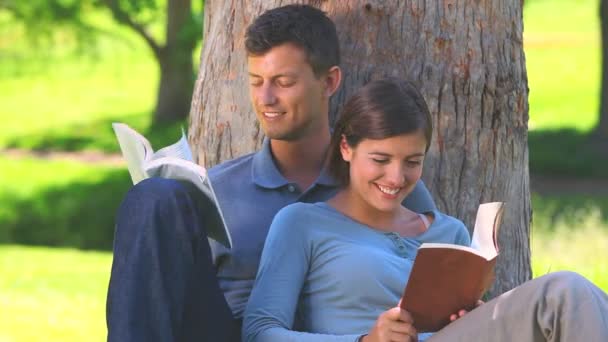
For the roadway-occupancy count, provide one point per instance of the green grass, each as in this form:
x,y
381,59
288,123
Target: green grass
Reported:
x,y
59,203
51,294
562,47
571,233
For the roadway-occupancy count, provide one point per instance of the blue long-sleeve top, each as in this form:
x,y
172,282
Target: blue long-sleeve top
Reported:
x,y
326,277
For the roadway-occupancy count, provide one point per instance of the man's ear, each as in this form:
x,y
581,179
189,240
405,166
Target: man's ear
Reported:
x,y
332,80
345,149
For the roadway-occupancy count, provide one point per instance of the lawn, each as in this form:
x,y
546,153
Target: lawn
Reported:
x,y
51,294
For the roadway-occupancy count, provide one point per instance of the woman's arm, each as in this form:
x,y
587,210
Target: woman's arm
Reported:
x,y
282,273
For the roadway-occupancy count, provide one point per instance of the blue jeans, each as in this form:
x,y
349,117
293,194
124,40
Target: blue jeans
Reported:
x,y
163,285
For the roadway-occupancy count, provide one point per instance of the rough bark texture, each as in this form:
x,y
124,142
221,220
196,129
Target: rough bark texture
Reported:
x,y
466,57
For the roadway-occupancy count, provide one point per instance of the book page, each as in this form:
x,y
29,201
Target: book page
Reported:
x,y
173,162
181,150
485,233
180,169
135,148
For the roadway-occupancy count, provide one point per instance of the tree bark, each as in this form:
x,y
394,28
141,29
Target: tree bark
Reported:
x,y
467,58
601,130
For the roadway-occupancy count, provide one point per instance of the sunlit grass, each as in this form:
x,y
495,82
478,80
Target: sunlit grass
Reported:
x,y
52,294
562,47
56,101
575,239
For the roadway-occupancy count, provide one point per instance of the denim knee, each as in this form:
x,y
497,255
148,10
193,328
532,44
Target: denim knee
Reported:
x,y
156,204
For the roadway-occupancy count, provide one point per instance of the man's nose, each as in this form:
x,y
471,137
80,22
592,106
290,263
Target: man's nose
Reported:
x,y
267,95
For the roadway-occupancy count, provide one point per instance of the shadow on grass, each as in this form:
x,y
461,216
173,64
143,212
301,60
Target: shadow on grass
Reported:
x,y
569,211
77,215
98,135
567,153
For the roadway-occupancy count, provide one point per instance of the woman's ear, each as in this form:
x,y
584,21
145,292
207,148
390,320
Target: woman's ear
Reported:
x,y
345,149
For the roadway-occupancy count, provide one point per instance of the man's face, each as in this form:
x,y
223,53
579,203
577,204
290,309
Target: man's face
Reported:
x,y
289,100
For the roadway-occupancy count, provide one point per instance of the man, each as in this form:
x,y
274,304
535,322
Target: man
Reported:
x,y
169,282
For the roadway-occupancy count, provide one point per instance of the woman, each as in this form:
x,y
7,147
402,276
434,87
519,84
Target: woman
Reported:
x,y
335,271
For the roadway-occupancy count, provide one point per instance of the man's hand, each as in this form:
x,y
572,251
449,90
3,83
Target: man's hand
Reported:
x,y
394,325
461,313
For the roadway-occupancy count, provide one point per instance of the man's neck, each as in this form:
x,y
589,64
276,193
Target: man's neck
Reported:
x,y
301,161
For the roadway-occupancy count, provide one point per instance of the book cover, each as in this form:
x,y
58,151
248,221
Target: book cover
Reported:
x,y
446,278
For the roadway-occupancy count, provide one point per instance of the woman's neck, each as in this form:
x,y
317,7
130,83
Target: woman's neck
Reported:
x,y
401,220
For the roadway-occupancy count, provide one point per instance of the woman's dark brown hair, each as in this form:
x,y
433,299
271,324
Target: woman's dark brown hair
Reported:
x,y
380,109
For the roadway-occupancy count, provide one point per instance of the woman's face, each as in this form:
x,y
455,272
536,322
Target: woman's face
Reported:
x,y
383,172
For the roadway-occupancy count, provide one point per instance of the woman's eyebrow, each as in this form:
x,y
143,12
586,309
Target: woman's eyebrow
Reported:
x,y
384,154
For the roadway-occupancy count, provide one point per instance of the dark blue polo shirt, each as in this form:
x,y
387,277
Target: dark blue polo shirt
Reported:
x,y
251,190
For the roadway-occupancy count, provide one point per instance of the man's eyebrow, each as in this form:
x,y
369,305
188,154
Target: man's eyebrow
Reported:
x,y
286,74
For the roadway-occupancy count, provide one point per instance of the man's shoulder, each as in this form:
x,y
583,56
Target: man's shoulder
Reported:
x,y
233,167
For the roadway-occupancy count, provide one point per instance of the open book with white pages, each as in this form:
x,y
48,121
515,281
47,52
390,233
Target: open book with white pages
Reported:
x,y
446,278
175,162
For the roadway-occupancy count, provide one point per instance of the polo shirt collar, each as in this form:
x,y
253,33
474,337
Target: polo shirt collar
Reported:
x,y
264,171
266,174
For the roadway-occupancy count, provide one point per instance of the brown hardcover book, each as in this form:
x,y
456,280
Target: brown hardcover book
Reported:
x,y
446,278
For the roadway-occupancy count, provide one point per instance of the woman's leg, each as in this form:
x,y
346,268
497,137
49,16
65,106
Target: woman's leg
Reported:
x,y
561,306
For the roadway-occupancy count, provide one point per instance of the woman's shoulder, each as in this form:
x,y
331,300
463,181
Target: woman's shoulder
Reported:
x,y
295,214
296,210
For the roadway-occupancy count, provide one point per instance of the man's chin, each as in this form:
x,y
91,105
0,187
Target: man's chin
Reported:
x,y
281,136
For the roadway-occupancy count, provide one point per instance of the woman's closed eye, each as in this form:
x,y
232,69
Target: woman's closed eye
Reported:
x,y
380,160
413,163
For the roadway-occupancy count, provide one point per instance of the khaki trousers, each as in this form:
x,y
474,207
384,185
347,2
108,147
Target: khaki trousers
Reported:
x,y
561,306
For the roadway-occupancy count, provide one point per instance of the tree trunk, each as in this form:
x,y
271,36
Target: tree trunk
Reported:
x,y
175,62
601,130
466,58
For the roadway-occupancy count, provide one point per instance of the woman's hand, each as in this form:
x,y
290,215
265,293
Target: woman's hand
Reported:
x,y
394,325
461,313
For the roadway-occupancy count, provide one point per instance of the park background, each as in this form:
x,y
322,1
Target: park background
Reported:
x,y
61,178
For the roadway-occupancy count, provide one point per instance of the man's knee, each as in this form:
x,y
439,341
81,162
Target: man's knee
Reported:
x,y
151,203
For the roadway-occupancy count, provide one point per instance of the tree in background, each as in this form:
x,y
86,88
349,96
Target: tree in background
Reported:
x,y
173,54
601,130
468,62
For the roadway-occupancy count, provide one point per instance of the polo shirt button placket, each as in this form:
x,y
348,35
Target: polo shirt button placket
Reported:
x,y
291,188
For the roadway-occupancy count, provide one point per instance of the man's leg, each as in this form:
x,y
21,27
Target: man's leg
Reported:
x,y
561,306
163,285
